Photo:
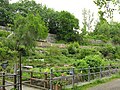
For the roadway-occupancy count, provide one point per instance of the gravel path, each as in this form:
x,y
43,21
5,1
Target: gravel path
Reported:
x,y
113,85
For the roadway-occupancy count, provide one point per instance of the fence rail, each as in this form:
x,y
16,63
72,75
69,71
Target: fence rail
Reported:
x,y
57,78
68,77
4,77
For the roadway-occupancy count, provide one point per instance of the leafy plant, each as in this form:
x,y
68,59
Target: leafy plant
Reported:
x,y
73,48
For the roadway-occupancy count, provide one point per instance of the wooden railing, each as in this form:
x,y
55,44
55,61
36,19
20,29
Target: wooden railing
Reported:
x,y
10,79
68,77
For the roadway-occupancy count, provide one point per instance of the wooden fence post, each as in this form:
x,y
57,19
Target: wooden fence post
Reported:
x,y
45,84
109,70
18,80
15,81
73,73
88,73
3,80
51,73
31,76
100,71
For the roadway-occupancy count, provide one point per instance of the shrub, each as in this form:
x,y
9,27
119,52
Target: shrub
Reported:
x,y
73,48
80,64
4,33
94,60
117,52
116,40
65,52
85,52
55,51
108,51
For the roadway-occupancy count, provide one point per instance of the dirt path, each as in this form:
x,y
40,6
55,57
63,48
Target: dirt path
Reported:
x,y
113,85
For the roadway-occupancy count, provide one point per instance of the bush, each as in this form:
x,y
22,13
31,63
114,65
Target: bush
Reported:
x,y
94,60
65,52
85,52
4,33
80,64
117,52
55,51
108,51
116,40
73,48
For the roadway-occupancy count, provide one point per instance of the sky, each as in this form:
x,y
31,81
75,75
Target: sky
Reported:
x,y
73,6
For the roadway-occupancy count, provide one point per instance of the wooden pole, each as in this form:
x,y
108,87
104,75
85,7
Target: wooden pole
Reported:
x,y
20,71
73,77
100,72
15,81
51,72
45,84
89,74
3,81
31,76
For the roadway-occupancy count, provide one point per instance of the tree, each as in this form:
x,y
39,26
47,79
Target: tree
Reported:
x,y
4,12
107,7
25,27
88,21
115,32
26,31
67,25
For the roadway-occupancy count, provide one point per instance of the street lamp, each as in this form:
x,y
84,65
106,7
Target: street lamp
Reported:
x,y
4,65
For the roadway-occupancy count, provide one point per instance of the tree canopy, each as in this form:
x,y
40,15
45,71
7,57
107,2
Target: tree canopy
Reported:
x,y
27,30
63,23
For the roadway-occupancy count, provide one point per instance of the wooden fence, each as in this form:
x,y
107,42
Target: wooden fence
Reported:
x,y
66,78
8,80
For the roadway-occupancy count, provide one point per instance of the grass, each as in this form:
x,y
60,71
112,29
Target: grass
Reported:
x,y
96,82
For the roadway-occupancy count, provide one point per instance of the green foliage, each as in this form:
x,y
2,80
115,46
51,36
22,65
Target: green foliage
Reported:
x,y
55,51
67,22
25,27
94,60
115,33
65,52
80,64
4,33
102,30
108,51
107,32
83,52
5,52
117,52
63,23
4,12
73,48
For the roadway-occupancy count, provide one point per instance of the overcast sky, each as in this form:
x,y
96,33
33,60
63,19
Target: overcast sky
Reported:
x,y
73,6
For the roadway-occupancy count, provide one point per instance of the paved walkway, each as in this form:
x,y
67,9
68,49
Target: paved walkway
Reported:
x,y
113,85
23,87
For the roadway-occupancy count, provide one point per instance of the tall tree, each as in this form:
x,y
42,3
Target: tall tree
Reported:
x,y
67,26
4,12
88,21
26,31
107,7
